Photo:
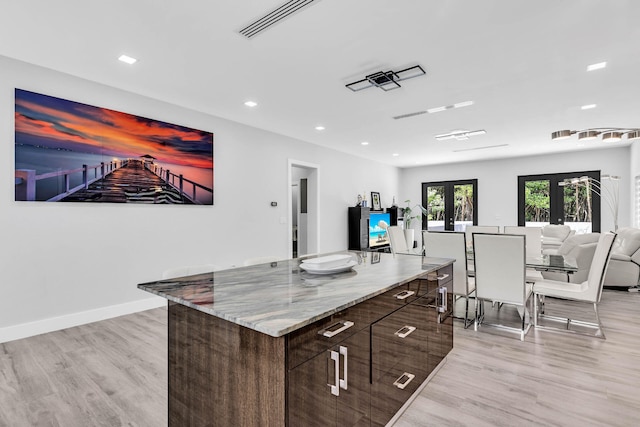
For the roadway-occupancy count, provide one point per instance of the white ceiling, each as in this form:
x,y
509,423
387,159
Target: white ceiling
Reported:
x,y
522,62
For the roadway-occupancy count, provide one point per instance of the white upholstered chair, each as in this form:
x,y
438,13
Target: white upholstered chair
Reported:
x,y
451,244
534,238
554,234
624,270
470,229
579,248
396,239
189,270
589,291
500,275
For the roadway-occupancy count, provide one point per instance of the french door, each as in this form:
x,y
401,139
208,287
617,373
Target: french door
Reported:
x,y
450,205
543,200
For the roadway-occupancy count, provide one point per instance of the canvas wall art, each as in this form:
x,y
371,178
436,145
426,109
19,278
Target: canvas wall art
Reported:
x,y
66,151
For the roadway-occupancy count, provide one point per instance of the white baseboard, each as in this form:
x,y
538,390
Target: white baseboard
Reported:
x,y
43,326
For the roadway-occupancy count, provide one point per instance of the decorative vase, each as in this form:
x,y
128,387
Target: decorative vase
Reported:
x,y
409,234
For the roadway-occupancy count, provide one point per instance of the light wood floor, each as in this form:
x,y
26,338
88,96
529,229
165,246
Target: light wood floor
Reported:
x,y
114,373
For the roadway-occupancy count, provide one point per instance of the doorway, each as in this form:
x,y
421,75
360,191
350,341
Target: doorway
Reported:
x,y
543,200
450,205
304,204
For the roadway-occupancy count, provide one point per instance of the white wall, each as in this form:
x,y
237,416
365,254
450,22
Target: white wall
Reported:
x,y
498,181
634,171
64,263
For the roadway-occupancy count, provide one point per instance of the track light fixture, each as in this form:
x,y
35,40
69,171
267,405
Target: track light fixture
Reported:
x,y
608,134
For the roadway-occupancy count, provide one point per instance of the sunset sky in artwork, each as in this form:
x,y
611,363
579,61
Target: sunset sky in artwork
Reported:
x,y
58,123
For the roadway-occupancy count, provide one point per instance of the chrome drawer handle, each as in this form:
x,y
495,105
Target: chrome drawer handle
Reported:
x,y
404,380
343,382
444,276
331,331
442,299
404,294
404,331
335,389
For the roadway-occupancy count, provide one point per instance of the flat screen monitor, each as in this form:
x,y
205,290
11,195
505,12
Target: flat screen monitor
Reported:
x,y
378,223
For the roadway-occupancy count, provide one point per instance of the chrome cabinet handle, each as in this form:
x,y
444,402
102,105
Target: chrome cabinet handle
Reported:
x,y
404,331
404,294
335,389
344,352
331,332
444,276
404,380
442,299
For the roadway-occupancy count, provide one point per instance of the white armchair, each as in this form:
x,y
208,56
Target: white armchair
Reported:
x,y
624,267
579,248
553,235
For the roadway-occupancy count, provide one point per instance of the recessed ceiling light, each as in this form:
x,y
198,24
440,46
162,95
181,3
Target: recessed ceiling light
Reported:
x,y
319,127
395,154
129,60
597,66
436,109
588,106
250,103
463,104
364,143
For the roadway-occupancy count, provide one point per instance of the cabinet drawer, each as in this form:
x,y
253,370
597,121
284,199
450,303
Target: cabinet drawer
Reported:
x,y
399,339
305,343
392,390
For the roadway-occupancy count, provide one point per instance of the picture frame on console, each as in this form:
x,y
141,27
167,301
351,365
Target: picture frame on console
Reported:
x,y
375,201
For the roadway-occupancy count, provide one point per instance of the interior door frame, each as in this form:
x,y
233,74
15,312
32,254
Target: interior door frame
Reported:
x,y
449,205
556,198
313,204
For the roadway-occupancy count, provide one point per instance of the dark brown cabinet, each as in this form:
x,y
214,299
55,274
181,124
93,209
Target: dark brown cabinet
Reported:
x,y
333,387
356,367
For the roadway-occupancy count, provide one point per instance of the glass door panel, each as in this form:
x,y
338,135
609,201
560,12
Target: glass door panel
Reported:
x,y
463,206
542,200
435,207
450,205
537,202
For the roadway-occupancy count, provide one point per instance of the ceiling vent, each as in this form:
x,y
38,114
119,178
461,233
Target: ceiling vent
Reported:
x,y
272,18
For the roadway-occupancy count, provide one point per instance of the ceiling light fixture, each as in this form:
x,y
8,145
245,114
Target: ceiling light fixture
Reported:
x,y
364,143
597,66
251,104
127,59
588,106
435,109
395,154
460,135
319,127
608,134
386,80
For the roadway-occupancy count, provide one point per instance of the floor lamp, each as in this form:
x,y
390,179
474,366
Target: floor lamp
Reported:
x,y
609,193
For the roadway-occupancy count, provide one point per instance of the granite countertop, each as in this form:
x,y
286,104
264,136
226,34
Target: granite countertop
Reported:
x,y
278,298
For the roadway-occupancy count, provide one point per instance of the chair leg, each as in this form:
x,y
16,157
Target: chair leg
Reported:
x,y
600,332
535,310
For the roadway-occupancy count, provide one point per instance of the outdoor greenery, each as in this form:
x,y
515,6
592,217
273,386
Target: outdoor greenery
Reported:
x,y
463,203
577,202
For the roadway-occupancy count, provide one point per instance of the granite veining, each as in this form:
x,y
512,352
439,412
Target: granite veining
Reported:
x,y
278,298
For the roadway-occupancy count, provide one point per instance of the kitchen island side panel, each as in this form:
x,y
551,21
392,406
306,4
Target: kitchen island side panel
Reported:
x,y
221,373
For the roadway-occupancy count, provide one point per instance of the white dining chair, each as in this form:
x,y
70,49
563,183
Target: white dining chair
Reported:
x,y
470,229
500,276
451,244
533,246
396,239
589,291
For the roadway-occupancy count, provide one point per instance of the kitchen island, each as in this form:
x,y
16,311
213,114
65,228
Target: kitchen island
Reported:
x,y
275,345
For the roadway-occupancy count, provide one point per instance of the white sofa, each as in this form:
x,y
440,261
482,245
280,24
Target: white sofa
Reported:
x,y
553,235
580,248
624,267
